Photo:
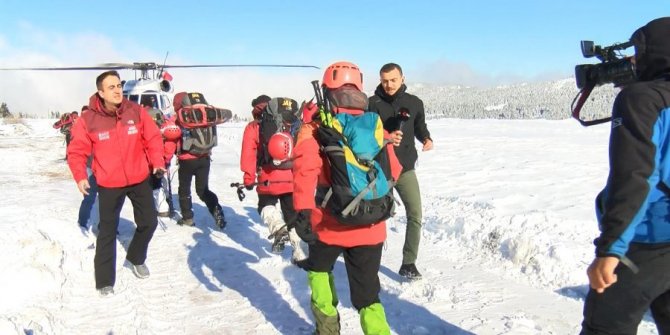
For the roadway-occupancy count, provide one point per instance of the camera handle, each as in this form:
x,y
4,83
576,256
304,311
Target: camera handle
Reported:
x,y
580,99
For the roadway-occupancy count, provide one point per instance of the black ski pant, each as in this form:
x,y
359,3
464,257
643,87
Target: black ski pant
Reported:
x,y
620,309
285,201
198,167
111,201
362,264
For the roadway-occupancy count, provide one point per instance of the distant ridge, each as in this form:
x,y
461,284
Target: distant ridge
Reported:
x,y
538,100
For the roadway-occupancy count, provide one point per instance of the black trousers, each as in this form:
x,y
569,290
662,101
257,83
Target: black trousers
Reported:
x,y
285,201
111,201
199,168
620,309
362,264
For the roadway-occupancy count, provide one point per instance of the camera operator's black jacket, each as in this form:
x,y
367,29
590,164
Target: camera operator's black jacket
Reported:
x,y
415,127
635,204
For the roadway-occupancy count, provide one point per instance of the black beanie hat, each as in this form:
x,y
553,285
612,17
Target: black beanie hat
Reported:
x,y
260,99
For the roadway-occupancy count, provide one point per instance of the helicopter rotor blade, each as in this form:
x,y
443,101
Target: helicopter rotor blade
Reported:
x,y
240,65
146,66
67,68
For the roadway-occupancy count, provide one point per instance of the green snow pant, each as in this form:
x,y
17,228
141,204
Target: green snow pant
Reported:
x,y
373,320
324,302
408,189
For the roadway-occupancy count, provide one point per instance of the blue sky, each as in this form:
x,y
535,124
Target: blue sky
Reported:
x,y
472,42
504,39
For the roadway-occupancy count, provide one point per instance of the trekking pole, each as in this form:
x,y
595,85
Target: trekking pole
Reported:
x,y
168,195
241,186
240,192
324,114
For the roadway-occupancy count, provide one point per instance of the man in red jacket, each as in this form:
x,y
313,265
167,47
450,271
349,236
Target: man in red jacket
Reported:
x,y
273,184
65,126
125,141
361,245
193,163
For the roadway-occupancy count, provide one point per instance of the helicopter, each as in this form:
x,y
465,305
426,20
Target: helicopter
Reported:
x,y
152,86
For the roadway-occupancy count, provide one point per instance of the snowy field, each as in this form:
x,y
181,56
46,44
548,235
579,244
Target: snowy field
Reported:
x,y
508,231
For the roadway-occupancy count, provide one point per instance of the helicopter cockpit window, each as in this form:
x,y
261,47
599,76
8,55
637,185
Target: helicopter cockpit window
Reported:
x,y
149,101
134,97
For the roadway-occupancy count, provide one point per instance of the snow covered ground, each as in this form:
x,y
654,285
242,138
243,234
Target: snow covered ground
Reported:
x,y
508,234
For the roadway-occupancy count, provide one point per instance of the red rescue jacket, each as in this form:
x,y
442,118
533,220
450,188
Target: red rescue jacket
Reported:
x,y
310,168
125,144
271,181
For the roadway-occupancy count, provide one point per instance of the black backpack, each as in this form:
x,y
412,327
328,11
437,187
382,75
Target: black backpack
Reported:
x,y
280,115
198,121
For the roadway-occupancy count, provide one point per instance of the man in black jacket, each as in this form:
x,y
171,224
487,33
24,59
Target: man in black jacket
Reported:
x,y
631,271
403,117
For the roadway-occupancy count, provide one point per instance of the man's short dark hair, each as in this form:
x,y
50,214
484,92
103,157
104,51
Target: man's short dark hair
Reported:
x,y
84,107
102,76
390,67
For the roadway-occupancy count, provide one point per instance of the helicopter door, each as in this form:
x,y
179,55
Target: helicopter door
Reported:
x,y
166,105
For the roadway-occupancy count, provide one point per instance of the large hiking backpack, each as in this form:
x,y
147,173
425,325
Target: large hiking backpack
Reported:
x,y
361,191
198,121
66,122
280,115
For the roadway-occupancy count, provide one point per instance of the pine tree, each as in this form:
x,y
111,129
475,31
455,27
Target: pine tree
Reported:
x,y
4,111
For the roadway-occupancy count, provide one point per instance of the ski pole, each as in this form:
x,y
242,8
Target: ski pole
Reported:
x,y
240,188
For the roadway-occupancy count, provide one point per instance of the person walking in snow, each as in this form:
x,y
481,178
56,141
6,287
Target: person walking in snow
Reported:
x,y
274,182
404,117
125,141
317,191
631,271
193,148
64,125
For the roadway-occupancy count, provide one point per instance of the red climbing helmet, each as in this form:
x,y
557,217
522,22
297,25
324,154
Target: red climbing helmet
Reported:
x,y
280,147
342,73
171,132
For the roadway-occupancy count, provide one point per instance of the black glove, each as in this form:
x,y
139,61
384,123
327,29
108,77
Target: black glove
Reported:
x,y
249,187
303,227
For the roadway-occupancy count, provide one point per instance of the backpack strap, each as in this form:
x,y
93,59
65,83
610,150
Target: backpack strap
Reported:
x,y
337,151
372,175
350,207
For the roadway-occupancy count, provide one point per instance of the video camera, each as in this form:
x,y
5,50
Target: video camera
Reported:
x,y
615,68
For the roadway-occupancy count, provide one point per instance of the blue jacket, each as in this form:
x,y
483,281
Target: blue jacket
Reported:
x,y
635,204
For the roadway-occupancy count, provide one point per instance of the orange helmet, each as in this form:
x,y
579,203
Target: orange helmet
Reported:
x,y
342,73
171,132
280,147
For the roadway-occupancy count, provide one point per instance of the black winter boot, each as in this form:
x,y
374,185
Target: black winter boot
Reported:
x,y
280,239
409,271
219,219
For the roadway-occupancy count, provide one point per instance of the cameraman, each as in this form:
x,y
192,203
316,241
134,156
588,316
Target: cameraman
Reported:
x,y
631,271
